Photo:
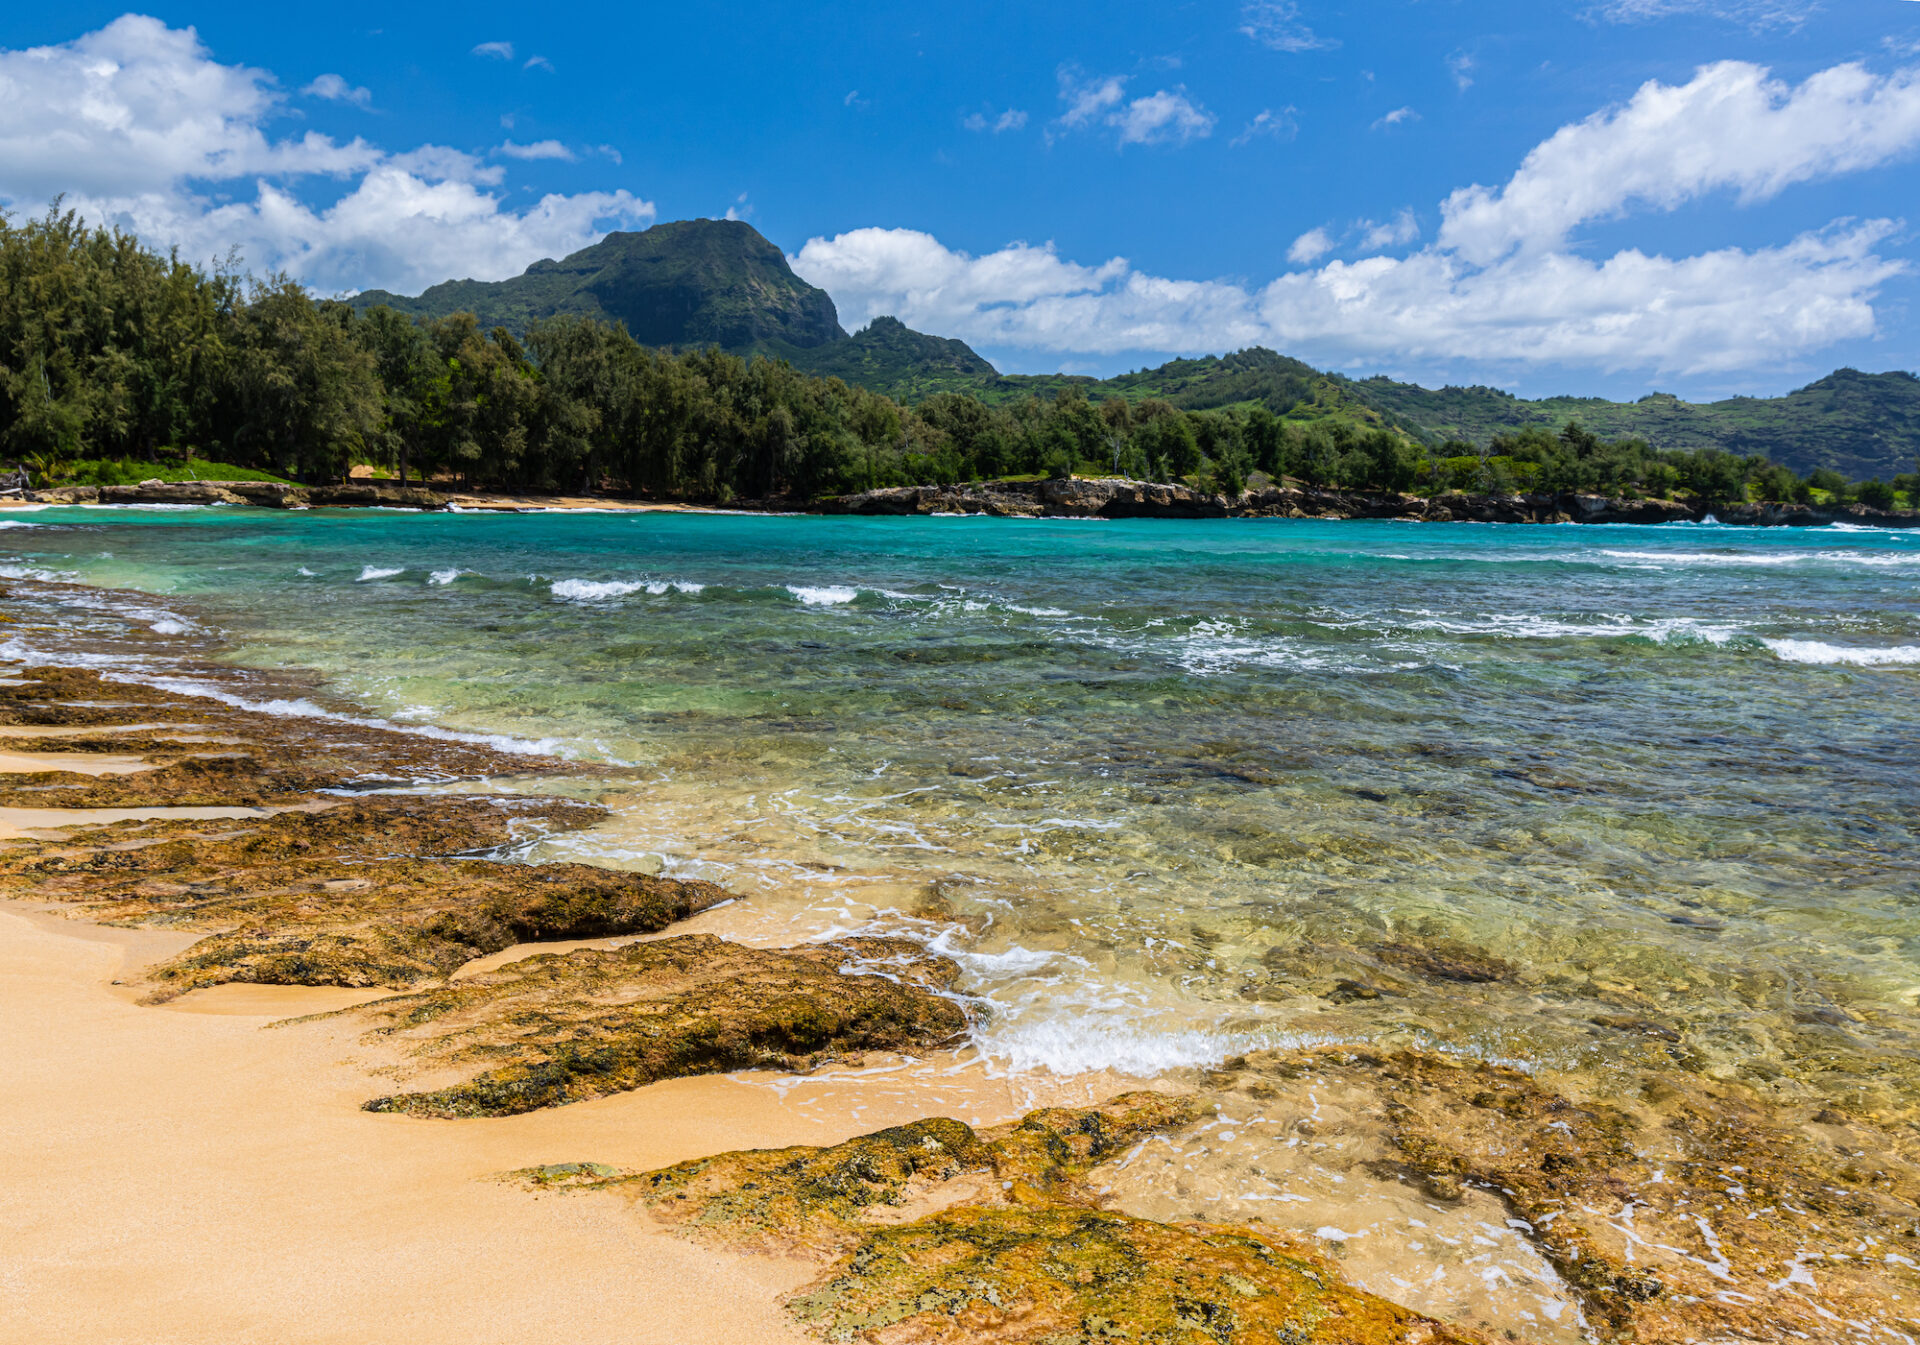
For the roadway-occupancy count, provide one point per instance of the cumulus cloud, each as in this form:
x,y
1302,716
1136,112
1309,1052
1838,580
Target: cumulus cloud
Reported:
x,y
1730,128
1503,281
1276,24
138,126
1164,117
1395,117
1402,229
1310,247
539,149
337,90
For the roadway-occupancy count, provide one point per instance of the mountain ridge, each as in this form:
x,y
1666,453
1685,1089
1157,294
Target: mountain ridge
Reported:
x,y
695,283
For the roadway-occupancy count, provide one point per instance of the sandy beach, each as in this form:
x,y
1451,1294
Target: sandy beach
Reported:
x,y
190,1173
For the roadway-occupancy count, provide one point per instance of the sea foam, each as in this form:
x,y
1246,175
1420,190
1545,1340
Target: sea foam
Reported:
x,y
369,572
1818,651
830,595
602,590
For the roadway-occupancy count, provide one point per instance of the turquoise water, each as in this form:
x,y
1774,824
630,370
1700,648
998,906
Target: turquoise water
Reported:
x,y
1160,785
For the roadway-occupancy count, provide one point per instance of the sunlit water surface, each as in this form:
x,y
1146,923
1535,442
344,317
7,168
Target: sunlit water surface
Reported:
x,y
1157,785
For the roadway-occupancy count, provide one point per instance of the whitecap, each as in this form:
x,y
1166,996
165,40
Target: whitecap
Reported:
x,y
16,523
1820,652
445,577
169,626
595,590
831,595
368,572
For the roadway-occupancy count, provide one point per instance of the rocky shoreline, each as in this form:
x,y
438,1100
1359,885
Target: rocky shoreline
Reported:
x,y
935,1232
1077,497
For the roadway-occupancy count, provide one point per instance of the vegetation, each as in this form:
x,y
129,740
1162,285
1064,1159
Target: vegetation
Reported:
x,y
1856,424
119,363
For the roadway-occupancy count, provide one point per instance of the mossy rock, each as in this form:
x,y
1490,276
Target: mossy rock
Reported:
x,y
1063,1273
555,1029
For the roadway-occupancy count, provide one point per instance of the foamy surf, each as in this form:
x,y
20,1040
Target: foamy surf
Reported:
x,y
604,590
372,572
1820,652
831,595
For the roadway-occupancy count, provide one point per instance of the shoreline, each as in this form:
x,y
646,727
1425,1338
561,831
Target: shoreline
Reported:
x,y
1076,497
270,1137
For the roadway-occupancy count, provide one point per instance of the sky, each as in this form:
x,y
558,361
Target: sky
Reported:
x,y
1601,197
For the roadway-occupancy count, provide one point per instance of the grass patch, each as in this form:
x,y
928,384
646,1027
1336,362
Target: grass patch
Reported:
x,y
127,472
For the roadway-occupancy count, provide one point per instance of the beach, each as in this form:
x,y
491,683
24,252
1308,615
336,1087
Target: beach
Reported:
x,y
1470,930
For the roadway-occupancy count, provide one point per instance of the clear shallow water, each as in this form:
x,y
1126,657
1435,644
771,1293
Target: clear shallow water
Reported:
x,y
1158,785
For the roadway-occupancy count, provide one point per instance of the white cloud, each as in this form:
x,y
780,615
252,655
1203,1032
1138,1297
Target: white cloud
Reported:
x,y
1503,283
1395,117
539,149
1402,229
337,90
1730,128
1752,13
1013,119
1279,125
141,128
500,51
538,63
1276,23
1310,247
1165,117
1088,100
1461,66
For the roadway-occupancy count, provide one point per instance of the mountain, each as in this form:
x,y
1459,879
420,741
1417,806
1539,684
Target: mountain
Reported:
x,y
695,283
888,356
687,283
1860,425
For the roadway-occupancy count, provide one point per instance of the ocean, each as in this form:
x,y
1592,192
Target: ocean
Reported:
x,y
1168,791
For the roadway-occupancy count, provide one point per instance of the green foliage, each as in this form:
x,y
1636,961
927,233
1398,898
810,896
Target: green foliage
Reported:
x,y
109,351
123,472
1853,423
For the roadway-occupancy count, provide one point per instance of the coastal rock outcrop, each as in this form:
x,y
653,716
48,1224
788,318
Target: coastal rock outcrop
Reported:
x,y
1015,1247
554,1029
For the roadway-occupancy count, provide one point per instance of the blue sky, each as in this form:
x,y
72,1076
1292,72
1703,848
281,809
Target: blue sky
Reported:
x,y
1701,196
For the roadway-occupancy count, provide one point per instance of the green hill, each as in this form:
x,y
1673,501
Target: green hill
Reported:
x,y
1860,425
695,283
687,283
887,356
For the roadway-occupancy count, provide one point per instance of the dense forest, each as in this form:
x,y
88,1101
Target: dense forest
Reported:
x,y
113,355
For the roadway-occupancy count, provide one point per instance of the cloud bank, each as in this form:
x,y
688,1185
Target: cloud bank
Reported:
x,y
138,126
1504,280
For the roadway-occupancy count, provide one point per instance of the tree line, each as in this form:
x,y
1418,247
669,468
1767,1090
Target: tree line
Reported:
x,y
111,350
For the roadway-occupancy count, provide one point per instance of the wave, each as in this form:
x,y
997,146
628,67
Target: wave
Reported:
x,y
830,595
16,523
1763,558
601,590
1820,652
442,578
370,572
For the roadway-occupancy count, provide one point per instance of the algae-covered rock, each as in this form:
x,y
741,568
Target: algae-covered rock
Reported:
x,y
556,1029
320,898
1064,1273
806,1196
1677,1209
1023,1257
